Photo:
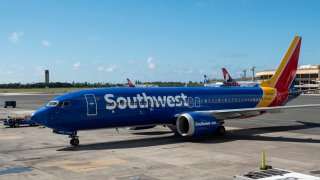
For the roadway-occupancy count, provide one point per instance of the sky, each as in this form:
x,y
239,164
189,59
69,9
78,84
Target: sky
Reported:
x,y
158,40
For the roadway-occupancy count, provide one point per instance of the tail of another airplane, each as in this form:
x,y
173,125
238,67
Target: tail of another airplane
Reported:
x,y
205,81
287,69
130,84
228,79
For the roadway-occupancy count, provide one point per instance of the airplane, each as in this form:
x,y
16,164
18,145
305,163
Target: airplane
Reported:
x,y
228,81
231,82
194,111
130,84
206,83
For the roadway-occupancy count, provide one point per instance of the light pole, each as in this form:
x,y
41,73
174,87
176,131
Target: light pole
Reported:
x,y
252,69
245,74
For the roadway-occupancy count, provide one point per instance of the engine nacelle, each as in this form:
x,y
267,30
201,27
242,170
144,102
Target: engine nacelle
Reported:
x,y
196,124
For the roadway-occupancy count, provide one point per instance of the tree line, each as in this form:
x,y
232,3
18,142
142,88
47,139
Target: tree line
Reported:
x,y
92,85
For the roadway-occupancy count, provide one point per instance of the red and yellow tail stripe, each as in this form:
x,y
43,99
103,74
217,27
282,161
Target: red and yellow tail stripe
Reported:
x,y
275,90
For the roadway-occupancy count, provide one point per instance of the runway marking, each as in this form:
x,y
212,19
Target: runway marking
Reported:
x,y
10,137
77,166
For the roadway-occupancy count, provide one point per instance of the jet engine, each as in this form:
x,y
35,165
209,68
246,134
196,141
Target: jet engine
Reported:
x,y
197,124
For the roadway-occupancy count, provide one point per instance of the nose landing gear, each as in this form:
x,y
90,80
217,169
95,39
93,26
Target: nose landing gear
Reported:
x,y
74,140
72,134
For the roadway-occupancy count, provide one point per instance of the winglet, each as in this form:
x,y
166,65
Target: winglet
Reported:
x,y
287,69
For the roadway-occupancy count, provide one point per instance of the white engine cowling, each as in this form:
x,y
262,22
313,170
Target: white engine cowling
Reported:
x,y
196,124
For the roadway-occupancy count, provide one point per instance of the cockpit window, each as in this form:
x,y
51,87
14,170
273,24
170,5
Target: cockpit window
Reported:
x,y
64,104
53,103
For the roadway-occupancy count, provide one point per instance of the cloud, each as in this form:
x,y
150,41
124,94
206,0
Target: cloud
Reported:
x,y
234,54
61,62
108,69
76,66
46,43
6,72
9,72
15,37
101,68
150,63
95,61
111,68
190,71
17,67
39,71
131,62
39,68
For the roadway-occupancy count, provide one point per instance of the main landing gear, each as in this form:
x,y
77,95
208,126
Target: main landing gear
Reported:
x,y
221,131
74,140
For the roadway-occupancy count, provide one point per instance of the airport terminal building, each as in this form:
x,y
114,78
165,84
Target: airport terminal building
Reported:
x,y
308,77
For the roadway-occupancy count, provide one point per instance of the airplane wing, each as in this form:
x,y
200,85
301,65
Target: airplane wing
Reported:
x,y
249,112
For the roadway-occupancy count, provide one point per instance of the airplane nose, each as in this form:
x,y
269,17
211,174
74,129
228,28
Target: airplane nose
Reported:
x,y
40,116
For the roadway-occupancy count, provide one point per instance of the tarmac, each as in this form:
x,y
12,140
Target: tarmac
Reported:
x,y
291,141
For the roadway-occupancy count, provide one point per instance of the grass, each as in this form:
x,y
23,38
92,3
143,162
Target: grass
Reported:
x,y
41,90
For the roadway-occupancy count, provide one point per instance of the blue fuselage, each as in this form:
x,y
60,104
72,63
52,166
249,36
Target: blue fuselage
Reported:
x,y
123,107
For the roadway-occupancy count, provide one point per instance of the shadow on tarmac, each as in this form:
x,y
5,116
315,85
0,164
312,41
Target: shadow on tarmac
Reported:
x,y
233,135
153,133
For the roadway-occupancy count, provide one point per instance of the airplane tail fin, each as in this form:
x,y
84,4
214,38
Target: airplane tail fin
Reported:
x,y
206,81
130,84
226,76
228,79
286,72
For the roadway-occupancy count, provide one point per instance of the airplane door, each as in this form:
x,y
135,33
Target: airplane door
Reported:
x,y
197,102
91,105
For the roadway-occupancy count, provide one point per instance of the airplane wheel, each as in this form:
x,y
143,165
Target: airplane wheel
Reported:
x,y
221,131
74,142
